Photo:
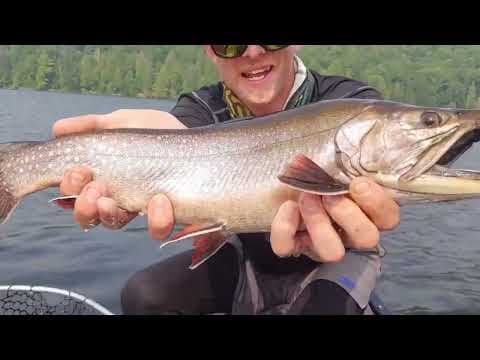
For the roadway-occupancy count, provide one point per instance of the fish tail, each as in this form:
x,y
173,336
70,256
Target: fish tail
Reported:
x,y
8,203
8,199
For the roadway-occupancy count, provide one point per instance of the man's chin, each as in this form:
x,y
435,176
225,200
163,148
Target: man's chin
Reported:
x,y
260,99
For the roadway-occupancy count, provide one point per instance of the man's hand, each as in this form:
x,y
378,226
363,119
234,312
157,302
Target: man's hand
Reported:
x,y
147,119
334,223
94,206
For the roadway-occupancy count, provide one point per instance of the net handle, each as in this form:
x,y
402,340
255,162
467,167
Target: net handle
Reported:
x,y
44,289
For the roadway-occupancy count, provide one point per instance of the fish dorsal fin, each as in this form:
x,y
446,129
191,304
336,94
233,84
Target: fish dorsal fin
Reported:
x,y
304,175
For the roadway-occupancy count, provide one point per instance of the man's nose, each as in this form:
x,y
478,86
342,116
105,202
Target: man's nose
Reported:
x,y
254,51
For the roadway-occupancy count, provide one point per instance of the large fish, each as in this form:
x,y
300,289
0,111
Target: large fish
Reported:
x,y
232,178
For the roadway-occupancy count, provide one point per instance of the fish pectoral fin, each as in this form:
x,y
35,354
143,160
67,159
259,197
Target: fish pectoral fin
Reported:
x,y
209,239
65,202
304,175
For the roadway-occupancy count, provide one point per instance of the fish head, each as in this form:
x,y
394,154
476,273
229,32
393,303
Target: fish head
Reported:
x,y
398,144
408,140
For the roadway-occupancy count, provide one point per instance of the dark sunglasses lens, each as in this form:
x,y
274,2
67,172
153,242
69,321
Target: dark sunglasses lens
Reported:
x,y
229,51
274,47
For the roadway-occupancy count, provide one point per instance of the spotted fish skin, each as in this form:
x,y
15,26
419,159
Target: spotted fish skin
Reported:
x,y
223,182
226,174
216,174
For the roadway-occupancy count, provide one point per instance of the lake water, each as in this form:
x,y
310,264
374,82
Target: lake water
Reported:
x,y
432,265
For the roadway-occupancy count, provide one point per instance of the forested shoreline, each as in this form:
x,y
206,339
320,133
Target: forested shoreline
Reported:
x,y
419,74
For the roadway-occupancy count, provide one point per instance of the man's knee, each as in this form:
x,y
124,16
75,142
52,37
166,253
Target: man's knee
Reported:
x,y
139,296
328,298
341,288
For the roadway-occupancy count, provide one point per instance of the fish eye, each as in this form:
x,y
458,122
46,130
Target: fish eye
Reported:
x,y
431,119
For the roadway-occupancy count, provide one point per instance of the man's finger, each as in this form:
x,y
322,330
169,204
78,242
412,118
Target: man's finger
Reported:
x,y
360,232
326,243
111,216
86,209
304,245
74,180
78,124
376,203
160,217
284,228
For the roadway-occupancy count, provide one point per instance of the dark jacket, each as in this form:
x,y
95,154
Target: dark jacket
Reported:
x,y
206,105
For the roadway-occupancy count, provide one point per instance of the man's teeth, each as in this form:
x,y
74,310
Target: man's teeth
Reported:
x,y
259,74
256,77
258,71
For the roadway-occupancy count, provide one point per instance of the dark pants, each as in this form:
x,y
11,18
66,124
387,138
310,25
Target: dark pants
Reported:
x,y
169,287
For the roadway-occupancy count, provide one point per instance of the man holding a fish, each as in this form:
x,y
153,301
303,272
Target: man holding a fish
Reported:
x,y
321,255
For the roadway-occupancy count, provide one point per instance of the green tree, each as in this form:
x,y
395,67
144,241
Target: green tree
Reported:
x,y
44,73
471,100
168,80
5,67
68,72
143,74
88,73
424,75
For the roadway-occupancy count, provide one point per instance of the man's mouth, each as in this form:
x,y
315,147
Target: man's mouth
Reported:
x,y
257,74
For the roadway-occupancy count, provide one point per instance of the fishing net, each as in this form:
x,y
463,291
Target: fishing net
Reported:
x,y
39,300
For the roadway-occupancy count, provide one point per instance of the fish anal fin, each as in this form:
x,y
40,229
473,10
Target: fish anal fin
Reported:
x,y
206,246
305,175
193,230
196,230
65,202
209,238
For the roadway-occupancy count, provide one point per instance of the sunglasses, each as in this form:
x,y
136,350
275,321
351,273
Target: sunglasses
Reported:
x,y
234,51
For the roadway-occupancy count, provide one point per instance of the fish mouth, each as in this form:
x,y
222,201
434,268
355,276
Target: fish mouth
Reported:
x,y
438,146
460,147
434,175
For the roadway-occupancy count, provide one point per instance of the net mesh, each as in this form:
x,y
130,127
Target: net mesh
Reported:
x,y
30,301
